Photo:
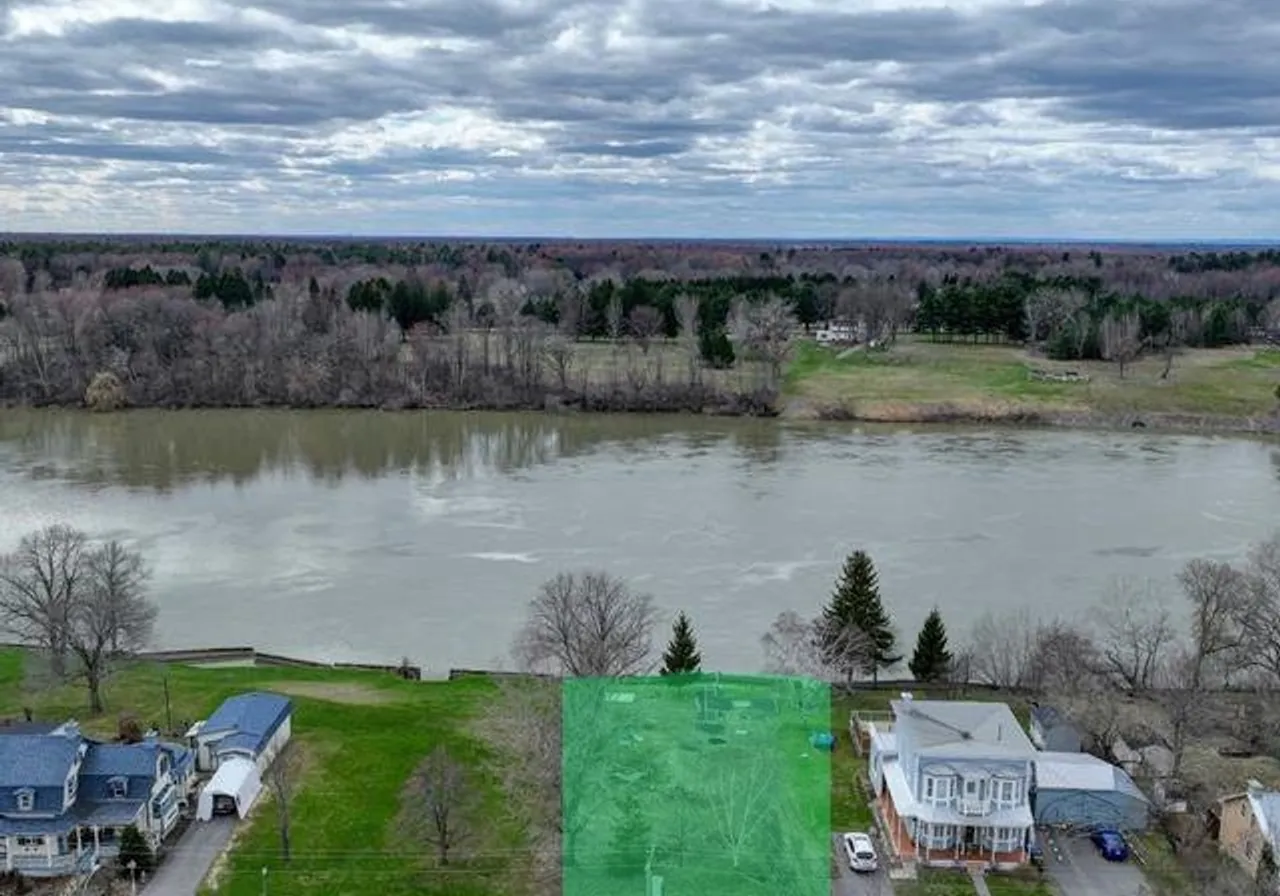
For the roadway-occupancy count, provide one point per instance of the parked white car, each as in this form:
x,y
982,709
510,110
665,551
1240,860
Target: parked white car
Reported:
x,y
860,851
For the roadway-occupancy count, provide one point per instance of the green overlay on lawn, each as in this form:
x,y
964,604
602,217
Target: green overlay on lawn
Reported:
x,y
706,785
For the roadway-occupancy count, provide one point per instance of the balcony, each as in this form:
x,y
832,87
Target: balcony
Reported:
x,y
973,806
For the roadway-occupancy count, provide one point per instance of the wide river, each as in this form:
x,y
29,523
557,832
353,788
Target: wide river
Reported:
x,y
366,536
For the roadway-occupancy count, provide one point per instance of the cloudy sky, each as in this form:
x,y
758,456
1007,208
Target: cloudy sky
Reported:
x,y
1143,119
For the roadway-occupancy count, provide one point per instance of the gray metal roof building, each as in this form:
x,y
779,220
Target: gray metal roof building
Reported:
x,y
1082,790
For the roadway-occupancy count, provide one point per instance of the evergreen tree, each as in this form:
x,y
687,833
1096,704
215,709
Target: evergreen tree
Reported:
x,y
134,848
681,656
631,836
855,614
1267,877
931,660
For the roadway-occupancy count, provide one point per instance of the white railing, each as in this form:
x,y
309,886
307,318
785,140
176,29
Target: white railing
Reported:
x,y
973,806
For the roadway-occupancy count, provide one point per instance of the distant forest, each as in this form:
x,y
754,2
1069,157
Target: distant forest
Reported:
x,y
257,322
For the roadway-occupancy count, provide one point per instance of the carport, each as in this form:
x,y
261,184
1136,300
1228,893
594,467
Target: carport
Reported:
x,y
236,779
1079,790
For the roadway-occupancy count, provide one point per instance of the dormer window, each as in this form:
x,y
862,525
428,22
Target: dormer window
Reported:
x,y
71,790
26,799
118,788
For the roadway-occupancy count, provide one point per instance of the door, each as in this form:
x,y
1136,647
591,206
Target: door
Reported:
x,y
970,838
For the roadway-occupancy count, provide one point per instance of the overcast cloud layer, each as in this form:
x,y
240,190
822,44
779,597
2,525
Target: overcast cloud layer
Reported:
x,y
795,118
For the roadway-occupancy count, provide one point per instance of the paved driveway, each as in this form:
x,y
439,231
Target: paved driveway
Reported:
x,y
1074,865
188,860
851,883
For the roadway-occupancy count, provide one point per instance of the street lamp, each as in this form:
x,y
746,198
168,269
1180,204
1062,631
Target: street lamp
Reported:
x,y
133,875
264,880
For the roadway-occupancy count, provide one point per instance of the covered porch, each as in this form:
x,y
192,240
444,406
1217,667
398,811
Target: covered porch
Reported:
x,y
63,846
939,834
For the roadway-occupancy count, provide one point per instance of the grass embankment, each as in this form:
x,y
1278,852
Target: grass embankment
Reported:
x,y
361,735
921,381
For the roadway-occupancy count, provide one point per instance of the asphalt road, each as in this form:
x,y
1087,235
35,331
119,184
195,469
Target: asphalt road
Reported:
x,y
186,863
853,883
1075,866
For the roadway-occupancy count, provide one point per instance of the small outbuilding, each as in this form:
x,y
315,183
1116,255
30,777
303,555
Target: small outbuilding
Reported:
x,y
253,726
1081,790
235,786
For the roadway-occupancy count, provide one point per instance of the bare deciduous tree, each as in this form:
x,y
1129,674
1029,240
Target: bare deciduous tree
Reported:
x,y
60,594
1120,336
1003,648
284,776
1220,600
1262,624
1063,659
1135,629
687,316
739,793
112,615
587,624
438,803
764,329
40,585
792,646
643,324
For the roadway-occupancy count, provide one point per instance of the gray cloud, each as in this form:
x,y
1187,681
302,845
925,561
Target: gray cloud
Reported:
x,y
815,117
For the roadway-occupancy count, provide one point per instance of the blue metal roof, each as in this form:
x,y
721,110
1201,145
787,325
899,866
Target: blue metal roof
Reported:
x,y
249,742
18,826
256,714
36,760
129,760
109,813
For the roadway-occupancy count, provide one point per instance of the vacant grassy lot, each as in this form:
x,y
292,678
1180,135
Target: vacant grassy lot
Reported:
x,y
362,735
917,378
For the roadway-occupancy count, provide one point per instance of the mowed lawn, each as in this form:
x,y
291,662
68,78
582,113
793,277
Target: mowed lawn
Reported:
x,y
361,735
996,380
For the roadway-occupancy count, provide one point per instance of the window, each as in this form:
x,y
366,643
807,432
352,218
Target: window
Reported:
x,y
118,788
1008,792
928,787
30,842
26,800
71,789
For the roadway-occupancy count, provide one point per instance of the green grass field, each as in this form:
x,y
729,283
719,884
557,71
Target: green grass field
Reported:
x,y
918,379
361,735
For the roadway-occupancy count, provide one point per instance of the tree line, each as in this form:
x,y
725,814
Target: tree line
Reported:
x,y
81,604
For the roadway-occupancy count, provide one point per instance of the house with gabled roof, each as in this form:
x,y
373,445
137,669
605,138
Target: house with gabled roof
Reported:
x,y
1249,826
65,798
952,781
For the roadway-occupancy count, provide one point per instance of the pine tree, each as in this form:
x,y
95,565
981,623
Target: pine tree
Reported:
x,y
681,656
931,660
134,848
855,611
631,838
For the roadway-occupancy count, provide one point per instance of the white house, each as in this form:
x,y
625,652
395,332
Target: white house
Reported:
x,y
953,782
238,743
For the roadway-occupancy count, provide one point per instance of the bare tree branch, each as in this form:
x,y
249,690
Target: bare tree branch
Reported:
x,y
439,800
1135,630
587,624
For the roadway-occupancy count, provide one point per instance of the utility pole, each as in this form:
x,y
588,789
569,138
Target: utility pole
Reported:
x,y
133,875
264,880
648,872
168,709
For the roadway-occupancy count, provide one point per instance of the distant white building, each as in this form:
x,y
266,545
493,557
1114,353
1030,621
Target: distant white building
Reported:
x,y
837,333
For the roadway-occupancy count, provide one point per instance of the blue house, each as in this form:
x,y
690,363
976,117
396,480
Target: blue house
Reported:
x,y
64,798
953,782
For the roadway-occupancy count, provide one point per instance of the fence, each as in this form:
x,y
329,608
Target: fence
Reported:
x,y
255,657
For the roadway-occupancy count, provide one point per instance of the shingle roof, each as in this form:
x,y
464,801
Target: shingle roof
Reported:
x,y
36,760
10,728
256,714
972,727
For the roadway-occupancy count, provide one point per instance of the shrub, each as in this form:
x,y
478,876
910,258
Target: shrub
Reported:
x,y
105,392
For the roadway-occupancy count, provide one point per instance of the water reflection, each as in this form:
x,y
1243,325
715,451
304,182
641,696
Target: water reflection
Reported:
x,y
163,451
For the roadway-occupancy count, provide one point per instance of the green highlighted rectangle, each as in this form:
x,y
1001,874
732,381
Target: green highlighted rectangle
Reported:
x,y
704,785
